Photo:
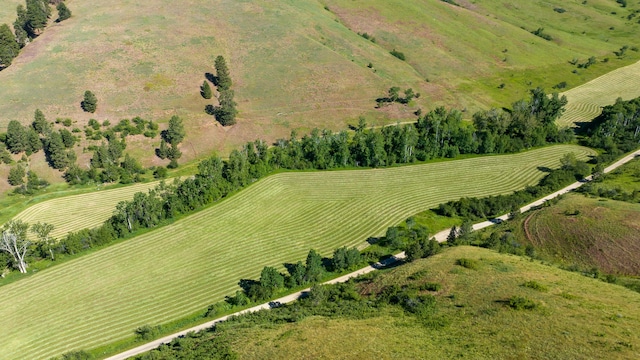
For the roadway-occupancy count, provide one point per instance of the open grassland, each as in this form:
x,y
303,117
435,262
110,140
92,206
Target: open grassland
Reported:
x,y
477,46
76,212
576,317
180,269
8,11
297,65
586,101
588,232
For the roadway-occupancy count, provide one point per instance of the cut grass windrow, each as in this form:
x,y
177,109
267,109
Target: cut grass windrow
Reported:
x,y
586,101
179,269
76,212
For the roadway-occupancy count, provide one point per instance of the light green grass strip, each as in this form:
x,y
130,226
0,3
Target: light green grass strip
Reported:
x,y
586,101
76,212
179,269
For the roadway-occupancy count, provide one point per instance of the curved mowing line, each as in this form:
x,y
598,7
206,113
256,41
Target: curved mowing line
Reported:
x,y
604,90
76,212
179,269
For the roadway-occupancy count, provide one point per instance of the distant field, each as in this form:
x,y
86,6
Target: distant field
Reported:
x,y
586,101
76,212
577,318
179,269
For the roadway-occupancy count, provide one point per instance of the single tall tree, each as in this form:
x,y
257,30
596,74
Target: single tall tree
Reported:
x,y
223,78
40,123
63,12
17,139
175,133
38,12
14,241
9,48
90,102
20,26
43,232
205,90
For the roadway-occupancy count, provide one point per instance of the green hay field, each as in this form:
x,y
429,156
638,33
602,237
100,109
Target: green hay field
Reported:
x,y
586,101
577,317
180,269
76,212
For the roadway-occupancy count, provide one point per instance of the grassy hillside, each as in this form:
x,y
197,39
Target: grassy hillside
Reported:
x,y
8,11
473,48
297,65
179,269
588,232
586,101
574,317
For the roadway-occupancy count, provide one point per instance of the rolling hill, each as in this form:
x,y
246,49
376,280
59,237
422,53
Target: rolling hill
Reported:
x,y
176,270
472,312
302,64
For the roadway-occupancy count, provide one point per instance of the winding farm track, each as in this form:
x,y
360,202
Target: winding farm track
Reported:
x,y
441,237
176,270
585,102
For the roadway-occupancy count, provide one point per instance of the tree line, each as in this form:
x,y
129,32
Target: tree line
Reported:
x,y
440,133
29,24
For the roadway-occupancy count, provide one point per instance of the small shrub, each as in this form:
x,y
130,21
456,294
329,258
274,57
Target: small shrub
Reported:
x,y
522,303
418,275
160,172
146,332
532,284
559,10
398,54
560,85
467,263
431,287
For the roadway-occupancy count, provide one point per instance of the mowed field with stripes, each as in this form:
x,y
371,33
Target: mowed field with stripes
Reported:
x,y
180,269
585,102
76,212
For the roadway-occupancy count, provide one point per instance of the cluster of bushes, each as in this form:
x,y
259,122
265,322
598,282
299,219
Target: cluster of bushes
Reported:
x,y
172,136
226,112
539,32
394,96
30,23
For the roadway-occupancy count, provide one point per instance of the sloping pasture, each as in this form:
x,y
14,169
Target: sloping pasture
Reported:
x,y
180,269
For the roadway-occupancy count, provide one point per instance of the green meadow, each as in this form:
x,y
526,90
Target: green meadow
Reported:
x,y
179,269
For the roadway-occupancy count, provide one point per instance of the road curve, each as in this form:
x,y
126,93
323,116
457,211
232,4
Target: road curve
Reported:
x,y
441,237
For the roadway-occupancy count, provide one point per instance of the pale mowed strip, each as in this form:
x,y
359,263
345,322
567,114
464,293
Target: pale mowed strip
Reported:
x,y
179,269
586,101
76,212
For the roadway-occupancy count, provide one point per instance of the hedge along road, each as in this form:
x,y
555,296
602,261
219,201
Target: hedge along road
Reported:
x,y
440,237
179,269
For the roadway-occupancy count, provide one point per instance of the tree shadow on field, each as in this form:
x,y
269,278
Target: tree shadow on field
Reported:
x,y
544,169
209,76
373,240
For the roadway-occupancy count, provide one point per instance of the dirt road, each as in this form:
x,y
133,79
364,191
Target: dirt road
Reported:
x,y
441,236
